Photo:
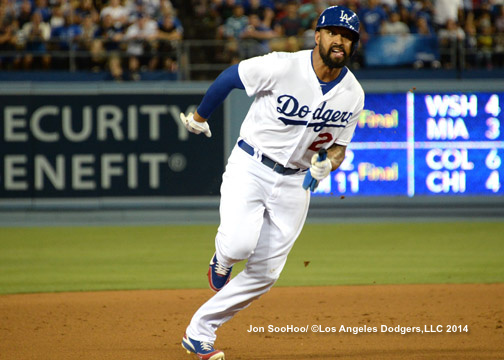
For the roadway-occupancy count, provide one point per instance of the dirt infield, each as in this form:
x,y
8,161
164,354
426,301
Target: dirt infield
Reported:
x,y
149,324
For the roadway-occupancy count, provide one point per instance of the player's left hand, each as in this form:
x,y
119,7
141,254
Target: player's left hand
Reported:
x,y
320,169
194,126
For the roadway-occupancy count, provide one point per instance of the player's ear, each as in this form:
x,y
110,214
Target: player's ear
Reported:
x,y
317,37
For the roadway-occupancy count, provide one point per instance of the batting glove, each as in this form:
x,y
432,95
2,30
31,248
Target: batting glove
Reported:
x,y
194,126
320,169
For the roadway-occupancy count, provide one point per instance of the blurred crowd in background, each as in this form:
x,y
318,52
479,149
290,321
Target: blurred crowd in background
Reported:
x,y
126,37
118,36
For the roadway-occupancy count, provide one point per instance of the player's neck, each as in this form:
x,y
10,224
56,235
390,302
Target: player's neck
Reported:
x,y
322,71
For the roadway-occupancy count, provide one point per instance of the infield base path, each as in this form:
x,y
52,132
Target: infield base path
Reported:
x,y
150,324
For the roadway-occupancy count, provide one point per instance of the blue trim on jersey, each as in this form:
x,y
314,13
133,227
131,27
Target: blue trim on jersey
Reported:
x,y
287,121
328,86
302,122
228,80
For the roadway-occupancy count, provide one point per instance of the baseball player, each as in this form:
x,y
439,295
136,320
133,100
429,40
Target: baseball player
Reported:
x,y
304,102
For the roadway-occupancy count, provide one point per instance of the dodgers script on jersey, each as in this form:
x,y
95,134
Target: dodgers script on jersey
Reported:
x,y
289,100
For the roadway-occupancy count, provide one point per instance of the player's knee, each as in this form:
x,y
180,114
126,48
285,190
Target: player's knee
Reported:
x,y
235,248
238,251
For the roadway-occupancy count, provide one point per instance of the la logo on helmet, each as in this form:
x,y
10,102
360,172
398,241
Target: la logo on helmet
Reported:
x,y
344,17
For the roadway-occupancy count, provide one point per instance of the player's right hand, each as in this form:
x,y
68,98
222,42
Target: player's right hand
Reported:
x,y
194,126
320,169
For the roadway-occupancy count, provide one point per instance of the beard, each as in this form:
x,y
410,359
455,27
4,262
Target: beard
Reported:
x,y
330,63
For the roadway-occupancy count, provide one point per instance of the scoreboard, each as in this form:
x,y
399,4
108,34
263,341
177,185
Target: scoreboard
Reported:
x,y
443,144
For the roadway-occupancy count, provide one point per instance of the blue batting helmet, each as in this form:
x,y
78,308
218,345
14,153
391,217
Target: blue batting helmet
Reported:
x,y
342,17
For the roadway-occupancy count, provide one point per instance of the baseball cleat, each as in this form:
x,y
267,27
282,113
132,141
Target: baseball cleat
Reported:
x,y
218,275
204,350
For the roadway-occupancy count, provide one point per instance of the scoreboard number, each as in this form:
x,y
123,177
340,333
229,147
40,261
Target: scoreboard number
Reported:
x,y
493,181
347,165
341,179
493,160
492,105
493,131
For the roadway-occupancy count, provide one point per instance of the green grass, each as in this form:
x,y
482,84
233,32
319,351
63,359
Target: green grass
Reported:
x,y
398,253
160,257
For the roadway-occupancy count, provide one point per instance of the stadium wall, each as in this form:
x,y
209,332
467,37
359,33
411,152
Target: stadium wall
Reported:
x,y
233,111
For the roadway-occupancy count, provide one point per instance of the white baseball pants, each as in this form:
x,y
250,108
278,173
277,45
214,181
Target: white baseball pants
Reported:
x,y
262,213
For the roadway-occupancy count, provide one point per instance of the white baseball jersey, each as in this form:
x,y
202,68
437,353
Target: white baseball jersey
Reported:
x,y
263,211
290,118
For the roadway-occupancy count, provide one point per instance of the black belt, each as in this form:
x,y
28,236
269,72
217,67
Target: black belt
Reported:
x,y
279,168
